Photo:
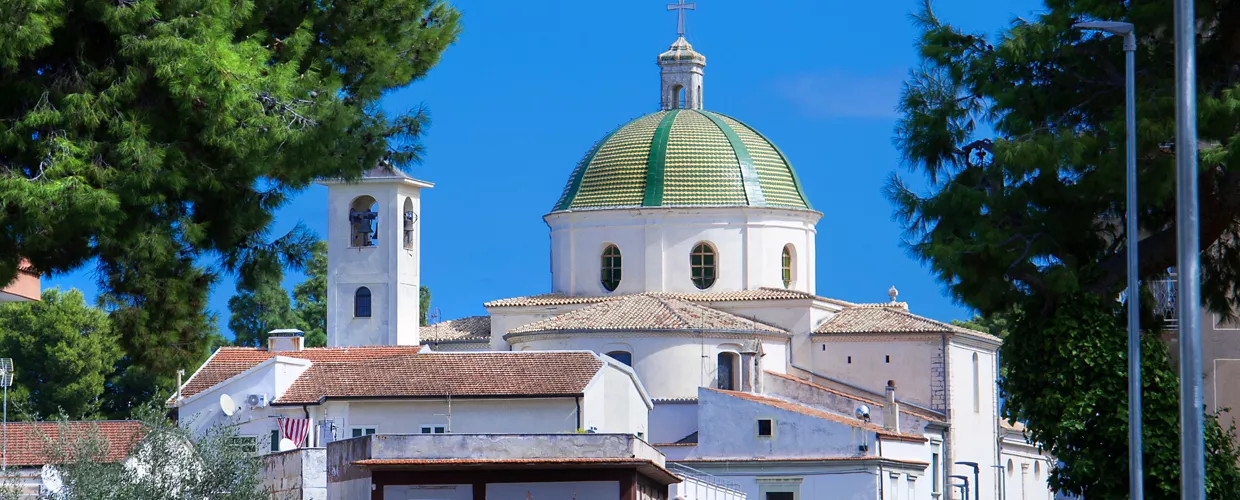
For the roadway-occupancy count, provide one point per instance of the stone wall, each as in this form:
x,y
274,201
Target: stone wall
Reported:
x,y
296,474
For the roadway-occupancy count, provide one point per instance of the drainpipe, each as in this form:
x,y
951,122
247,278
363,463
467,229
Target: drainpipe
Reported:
x,y
878,439
577,400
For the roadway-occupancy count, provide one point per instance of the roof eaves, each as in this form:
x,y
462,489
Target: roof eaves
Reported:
x,y
212,388
589,331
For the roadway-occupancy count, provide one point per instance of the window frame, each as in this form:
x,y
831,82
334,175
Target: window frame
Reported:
x,y
787,268
757,430
628,363
374,429
250,440
357,302
424,428
611,267
733,367
701,251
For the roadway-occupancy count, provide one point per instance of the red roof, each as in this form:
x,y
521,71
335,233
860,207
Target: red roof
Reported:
x,y
400,371
549,373
228,362
39,443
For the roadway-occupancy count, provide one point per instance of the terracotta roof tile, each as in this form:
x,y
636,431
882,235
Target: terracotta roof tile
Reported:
x,y
904,408
873,318
549,373
812,412
468,329
554,299
646,312
230,361
30,443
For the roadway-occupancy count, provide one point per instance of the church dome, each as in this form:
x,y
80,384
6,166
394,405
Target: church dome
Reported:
x,y
683,158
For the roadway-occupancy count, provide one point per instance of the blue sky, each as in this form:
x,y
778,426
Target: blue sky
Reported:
x,y
531,85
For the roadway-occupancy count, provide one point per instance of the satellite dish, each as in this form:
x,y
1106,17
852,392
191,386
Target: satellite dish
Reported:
x,y
227,404
287,444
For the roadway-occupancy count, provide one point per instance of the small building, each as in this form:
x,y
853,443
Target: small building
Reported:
x,y
32,448
25,288
497,467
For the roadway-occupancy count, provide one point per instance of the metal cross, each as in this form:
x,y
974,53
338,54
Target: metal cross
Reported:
x,y
681,7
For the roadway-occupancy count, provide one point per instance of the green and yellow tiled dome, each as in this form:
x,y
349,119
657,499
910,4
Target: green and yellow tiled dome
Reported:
x,y
683,158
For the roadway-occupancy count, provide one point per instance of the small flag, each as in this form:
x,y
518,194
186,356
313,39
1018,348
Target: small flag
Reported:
x,y
294,429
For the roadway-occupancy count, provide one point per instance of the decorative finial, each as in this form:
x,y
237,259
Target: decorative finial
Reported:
x,y
893,293
681,6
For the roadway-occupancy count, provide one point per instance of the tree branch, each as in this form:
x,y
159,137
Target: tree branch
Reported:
x,y
1219,204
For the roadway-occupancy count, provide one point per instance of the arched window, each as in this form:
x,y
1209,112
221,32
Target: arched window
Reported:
x,y
724,372
611,267
1010,468
977,386
361,303
699,96
1037,469
410,219
702,265
622,356
785,265
363,222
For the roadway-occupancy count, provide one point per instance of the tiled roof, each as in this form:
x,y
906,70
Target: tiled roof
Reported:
x,y
468,329
553,299
646,313
644,466
904,408
813,412
545,373
876,319
686,158
230,361
30,443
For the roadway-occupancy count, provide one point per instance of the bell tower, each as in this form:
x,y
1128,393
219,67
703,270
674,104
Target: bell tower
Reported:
x,y
680,68
373,259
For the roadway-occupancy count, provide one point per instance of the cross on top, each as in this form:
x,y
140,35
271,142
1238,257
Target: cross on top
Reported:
x,y
681,7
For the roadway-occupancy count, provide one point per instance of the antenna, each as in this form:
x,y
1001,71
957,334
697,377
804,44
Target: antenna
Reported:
x,y
6,380
227,405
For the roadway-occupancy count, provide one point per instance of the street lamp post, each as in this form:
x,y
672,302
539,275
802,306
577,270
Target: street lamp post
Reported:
x,y
1002,483
977,479
1135,473
964,485
6,379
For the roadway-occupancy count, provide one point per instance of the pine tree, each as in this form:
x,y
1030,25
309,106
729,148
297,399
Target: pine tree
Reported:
x,y
1021,141
311,296
146,137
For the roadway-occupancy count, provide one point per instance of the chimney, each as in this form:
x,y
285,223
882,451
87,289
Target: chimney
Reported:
x,y
285,340
891,411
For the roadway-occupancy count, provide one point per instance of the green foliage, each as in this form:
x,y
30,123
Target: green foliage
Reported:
x,y
311,296
1032,217
995,324
260,308
145,137
64,350
168,462
424,304
1065,376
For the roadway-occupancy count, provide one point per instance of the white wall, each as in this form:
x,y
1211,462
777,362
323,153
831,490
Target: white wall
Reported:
x,y
430,492
388,269
1021,479
974,433
731,431
601,490
499,416
202,411
809,481
655,244
672,421
910,366
668,366
613,404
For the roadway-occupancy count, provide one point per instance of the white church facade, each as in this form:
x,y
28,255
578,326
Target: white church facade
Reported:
x,y
682,311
